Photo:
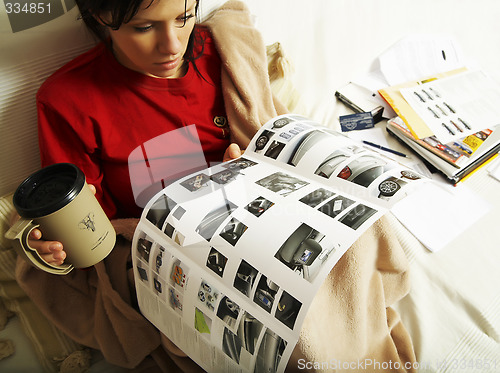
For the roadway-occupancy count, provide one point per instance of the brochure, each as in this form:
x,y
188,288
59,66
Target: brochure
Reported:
x,y
228,260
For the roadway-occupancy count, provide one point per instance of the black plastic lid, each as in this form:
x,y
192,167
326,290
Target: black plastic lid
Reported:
x,y
48,190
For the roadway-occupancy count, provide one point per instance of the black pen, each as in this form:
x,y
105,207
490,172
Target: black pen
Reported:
x,y
384,148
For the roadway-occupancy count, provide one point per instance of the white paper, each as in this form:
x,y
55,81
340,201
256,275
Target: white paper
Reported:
x,y
456,106
494,169
446,213
412,58
419,56
377,136
373,82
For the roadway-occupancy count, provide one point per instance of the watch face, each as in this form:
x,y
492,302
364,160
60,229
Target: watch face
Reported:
x,y
261,142
388,187
281,122
410,175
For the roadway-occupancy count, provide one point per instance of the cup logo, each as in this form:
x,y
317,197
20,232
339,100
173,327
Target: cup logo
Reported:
x,y
88,222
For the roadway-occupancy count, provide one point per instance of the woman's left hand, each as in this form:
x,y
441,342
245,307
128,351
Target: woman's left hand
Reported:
x,y
232,152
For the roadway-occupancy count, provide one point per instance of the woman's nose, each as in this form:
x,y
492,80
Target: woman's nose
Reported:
x,y
168,41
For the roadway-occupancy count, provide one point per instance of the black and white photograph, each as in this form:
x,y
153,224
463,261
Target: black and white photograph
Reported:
x,y
213,220
265,293
259,205
303,252
233,231
160,209
245,278
357,216
270,352
159,286
288,309
262,140
228,312
316,197
196,182
178,212
231,345
282,183
144,247
249,329
216,262
274,149
169,230
336,206
239,164
224,176
281,122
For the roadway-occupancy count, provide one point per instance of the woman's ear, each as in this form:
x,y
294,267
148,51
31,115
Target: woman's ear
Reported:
x,y
100,19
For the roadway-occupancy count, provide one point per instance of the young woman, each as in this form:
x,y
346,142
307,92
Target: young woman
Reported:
x,y
154,72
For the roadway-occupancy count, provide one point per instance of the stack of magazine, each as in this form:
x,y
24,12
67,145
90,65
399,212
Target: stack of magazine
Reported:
x,y
449,119
227,260
456,159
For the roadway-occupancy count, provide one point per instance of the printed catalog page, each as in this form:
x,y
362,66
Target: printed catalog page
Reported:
x,y
228,260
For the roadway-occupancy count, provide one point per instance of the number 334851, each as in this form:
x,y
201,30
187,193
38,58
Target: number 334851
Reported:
x,y
27,8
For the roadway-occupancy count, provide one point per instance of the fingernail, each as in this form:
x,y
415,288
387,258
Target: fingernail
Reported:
x,y
59,255
55,247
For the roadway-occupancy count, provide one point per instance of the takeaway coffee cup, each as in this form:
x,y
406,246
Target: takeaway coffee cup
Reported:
x,y
58,201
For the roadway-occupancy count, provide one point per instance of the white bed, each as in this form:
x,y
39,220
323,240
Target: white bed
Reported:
x,y
453,309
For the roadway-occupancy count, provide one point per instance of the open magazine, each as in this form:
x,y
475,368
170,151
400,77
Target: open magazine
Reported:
x,y
228,260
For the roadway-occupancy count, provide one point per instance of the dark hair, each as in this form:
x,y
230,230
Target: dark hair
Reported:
x,y
122,11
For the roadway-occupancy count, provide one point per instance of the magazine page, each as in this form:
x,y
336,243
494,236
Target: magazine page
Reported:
x,y
228,260
456,106
333,159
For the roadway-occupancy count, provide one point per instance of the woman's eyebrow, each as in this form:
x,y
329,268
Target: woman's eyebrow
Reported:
x,y
189,10
145,19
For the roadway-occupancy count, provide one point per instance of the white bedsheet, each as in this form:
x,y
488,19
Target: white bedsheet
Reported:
x,y
453,309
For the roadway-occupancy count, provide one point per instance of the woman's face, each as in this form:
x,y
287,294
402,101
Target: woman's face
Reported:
x,y
156,38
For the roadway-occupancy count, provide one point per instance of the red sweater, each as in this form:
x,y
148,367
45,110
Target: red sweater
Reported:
x,y
94,112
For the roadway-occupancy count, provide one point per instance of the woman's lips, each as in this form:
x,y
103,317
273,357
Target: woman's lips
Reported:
x,y
169,65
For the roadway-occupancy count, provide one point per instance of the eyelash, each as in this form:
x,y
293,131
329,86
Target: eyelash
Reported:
x,y
143,29
184,19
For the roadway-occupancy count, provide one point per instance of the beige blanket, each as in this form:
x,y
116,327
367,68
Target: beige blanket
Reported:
x,y
350,320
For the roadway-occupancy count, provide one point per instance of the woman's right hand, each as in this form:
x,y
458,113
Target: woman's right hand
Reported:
x,y
50,251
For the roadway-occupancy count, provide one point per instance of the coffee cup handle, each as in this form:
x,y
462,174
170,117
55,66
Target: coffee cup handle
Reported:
x,y
19,233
